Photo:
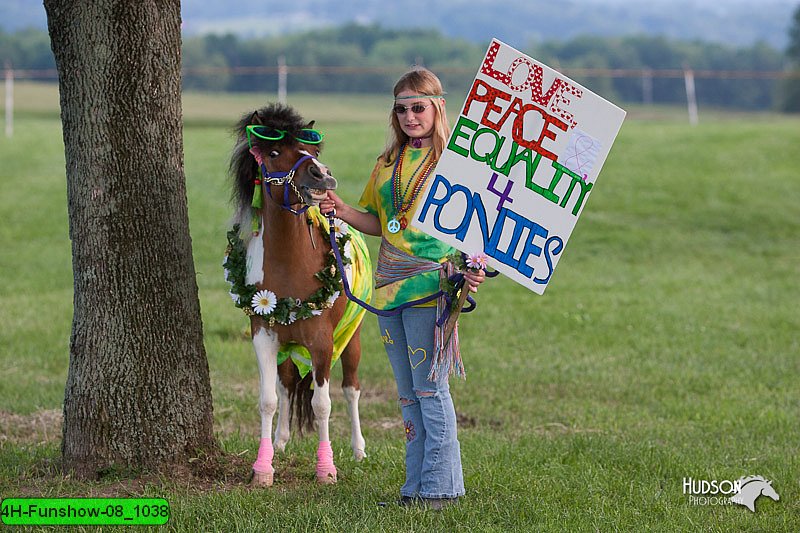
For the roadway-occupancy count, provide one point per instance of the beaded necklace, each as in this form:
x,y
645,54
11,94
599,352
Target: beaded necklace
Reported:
x,y
401,206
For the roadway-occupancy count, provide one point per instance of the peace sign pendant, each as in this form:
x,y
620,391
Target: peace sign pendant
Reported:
x,y
393,226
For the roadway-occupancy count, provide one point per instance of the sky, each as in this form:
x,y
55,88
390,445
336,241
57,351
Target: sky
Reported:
x,y
753,20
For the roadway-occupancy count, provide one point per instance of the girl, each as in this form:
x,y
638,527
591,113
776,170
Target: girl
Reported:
x,y
408,269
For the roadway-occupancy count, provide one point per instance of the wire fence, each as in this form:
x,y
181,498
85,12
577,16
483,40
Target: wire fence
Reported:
x,y
52,74
734,89
741,89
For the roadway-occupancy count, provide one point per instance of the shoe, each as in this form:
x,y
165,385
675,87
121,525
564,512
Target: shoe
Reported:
x,y
404,501
437,504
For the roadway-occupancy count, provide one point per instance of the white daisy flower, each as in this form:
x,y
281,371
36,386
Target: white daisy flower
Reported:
x,y
340,227
316,312
234,297
264,302
227,273
348,250
332,298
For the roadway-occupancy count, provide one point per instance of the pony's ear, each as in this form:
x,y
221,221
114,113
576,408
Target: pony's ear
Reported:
x,y
256,151
310,125
255,118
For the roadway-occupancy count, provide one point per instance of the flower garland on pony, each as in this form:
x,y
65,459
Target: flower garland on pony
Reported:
x,y
284,310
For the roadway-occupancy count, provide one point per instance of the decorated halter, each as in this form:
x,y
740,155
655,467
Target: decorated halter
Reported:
x,y
278,178
306,136
283,178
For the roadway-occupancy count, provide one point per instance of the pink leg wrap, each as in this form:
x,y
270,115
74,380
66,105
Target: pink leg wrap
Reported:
x,y
263,462
325,467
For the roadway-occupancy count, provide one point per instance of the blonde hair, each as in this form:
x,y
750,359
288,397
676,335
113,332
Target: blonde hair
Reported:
x,y
423,82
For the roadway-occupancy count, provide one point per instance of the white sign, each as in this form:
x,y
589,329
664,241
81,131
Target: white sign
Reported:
x,y
519,167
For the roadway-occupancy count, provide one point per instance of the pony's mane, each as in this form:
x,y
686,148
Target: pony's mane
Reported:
x,y
243,168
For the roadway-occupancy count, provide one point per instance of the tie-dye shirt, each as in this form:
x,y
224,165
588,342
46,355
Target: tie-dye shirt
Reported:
x,y
377,200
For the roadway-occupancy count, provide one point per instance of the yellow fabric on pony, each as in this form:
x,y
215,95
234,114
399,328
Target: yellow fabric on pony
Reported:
x,y
360,282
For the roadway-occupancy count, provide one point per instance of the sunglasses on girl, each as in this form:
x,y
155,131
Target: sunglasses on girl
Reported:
x,y
306,136
416,108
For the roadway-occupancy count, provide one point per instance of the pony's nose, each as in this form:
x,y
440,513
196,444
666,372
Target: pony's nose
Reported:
x,y
320,171
322,174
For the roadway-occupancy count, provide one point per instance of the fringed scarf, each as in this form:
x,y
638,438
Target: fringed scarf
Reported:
x,y
447,353
396,265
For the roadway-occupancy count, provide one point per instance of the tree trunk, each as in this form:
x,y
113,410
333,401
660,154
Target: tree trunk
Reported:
x,y
138,394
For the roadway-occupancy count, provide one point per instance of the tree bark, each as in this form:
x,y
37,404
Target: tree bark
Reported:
x,y
138,393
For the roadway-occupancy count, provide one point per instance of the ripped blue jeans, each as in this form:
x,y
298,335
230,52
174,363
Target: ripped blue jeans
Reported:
x,y
433,454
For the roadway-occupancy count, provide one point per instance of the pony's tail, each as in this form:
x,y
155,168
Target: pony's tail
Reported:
x,y
300,408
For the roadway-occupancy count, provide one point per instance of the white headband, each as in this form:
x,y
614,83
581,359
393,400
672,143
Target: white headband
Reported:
x,y
419,96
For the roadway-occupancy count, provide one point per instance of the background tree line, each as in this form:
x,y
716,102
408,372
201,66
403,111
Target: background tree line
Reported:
x,y
357,58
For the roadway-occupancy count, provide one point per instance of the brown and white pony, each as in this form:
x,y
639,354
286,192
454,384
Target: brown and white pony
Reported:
x,y
284,254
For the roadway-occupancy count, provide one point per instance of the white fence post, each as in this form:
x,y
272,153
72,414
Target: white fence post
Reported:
x,y
282,75
647,86
691,98
9,99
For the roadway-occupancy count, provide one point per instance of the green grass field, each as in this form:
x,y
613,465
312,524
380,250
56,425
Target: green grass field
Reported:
x,y
666,346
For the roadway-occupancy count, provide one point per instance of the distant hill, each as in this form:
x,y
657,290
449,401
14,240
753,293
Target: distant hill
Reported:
x,y
518,22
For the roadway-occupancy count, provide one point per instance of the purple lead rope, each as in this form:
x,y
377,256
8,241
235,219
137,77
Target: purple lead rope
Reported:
x,y
391,312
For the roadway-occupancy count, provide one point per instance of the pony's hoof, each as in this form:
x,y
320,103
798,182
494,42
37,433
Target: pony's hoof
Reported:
x,y
262,479
326,479
359,455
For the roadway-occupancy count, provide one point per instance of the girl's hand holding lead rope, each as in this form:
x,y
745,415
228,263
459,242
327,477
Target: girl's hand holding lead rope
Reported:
x,y
329,206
